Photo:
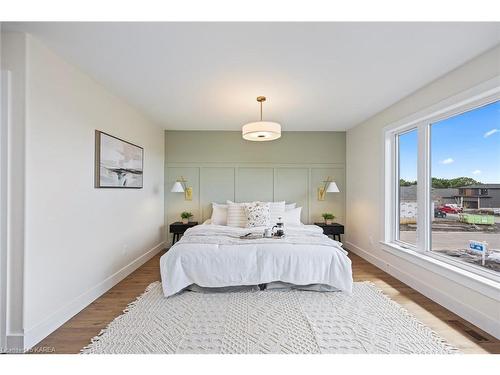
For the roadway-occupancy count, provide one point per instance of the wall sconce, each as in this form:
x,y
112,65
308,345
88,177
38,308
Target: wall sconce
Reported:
x,y
180,186
329,187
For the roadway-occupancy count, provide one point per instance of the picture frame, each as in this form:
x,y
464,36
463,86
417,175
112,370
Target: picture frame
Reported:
x,y
119,164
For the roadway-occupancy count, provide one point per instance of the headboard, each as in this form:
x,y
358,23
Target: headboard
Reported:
x,y
218,183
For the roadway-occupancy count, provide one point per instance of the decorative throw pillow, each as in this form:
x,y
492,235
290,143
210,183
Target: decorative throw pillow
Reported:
x,y
236,216
290,206
258,214
219,214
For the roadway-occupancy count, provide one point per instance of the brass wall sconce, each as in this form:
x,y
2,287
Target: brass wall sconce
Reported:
x,y
329,187
180,186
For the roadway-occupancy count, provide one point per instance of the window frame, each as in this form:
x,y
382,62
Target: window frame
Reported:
x,y
477,97
397,203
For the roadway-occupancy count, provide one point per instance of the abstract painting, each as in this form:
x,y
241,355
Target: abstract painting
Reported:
x,y
118,163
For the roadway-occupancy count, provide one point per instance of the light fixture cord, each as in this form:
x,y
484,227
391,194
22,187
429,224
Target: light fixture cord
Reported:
x,y
260,111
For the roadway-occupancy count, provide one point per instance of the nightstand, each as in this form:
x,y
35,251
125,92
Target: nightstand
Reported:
x,y
179,228
334,230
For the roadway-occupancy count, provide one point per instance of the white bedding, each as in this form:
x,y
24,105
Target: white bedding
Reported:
x,y
215,256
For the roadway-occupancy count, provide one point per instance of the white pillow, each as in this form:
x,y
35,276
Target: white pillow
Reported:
x,y
292,217
277,211
258,214
236,216
290,206
219,214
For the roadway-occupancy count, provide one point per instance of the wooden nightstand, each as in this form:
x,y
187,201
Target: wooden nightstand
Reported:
x,y
179,228
334,229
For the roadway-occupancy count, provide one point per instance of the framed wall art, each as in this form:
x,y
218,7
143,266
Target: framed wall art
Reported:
x,y
118,163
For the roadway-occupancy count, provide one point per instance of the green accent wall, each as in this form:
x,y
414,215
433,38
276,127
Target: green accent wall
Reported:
x,y
220,165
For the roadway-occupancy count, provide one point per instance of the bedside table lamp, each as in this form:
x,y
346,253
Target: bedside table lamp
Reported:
x,y
329,187
181,187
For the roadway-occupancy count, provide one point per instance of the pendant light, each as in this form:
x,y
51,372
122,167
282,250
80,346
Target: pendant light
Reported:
x,y
261,130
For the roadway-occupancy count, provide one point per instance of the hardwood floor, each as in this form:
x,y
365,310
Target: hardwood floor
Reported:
x,y
77,332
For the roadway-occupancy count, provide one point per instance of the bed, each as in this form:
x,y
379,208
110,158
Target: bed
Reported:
x,y
214,256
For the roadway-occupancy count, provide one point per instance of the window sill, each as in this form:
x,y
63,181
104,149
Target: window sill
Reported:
x,y
486,286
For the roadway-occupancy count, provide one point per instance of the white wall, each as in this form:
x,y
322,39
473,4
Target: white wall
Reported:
x,y
80,241
13,152
4,78
364,201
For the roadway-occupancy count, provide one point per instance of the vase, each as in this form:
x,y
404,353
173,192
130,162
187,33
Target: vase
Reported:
x,y
185,221
328,221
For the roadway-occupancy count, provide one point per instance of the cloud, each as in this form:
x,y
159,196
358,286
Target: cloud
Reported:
x,y
447,161
490,132
477,171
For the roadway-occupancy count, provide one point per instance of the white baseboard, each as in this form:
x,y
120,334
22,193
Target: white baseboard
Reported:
x,y
58,318
13,344
465,311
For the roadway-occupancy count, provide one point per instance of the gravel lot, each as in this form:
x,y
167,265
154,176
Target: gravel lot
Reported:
x,y
455,240
451,237
454,244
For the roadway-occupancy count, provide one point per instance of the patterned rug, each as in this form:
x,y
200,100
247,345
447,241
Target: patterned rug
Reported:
x,y
267,322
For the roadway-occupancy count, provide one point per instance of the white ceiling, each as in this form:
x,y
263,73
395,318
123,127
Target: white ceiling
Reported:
x,y
317,76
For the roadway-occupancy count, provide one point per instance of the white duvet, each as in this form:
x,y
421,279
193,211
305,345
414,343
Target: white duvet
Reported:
x,y
215,256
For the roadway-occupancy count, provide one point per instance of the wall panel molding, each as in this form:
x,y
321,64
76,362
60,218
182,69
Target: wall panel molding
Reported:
x,y
219,165
213,182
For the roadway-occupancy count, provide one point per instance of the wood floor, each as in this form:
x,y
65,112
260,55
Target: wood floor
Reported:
x,y
77,332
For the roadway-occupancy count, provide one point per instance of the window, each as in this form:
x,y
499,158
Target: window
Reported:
x,y
465,165
407,194
453,213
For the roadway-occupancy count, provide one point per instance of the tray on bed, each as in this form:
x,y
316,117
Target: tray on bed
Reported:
x,y
257,236
251,237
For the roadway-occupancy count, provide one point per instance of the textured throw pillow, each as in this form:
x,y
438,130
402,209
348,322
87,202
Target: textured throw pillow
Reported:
x,y
290,206
219,214
236,216
292,217
258,214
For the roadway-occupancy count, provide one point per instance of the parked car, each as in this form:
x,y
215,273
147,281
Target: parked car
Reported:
x,y
450,209
439,214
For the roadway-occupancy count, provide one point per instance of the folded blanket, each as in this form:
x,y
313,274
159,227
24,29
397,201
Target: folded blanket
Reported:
x,y
222,235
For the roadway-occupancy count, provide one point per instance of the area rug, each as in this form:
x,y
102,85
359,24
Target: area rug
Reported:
x,y
267,322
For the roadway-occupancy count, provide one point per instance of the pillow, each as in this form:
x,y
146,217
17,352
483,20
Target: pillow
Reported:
x,y
290,206
258,214
277,211
236,216
292,217
219,214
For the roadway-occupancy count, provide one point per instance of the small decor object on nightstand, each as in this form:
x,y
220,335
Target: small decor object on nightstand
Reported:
x,y
186,216
328,218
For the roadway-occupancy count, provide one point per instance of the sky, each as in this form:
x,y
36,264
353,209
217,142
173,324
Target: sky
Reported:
x,y
466,145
